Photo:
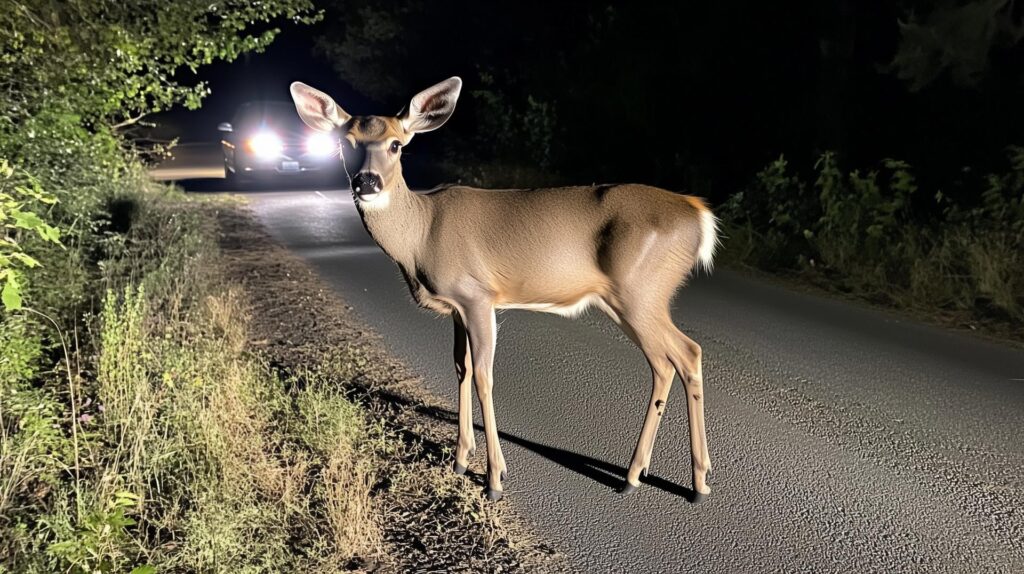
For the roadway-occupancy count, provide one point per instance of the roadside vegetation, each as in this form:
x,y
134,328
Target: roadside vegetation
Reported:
x,y
141,428
878,234
146,437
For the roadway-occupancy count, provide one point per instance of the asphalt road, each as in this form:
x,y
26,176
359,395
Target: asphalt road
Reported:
x,y
842,438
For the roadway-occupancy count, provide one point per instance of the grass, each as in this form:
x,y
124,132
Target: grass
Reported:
x,y
164,440
188,452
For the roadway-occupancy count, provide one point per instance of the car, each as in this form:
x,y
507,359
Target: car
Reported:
x,y
267,138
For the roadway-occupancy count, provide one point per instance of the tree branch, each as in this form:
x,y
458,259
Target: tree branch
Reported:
x,y
129,121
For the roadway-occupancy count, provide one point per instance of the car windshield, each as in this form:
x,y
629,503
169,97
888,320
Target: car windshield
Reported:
x,y
278,116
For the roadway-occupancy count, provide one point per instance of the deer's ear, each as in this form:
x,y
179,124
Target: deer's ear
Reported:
x,y
316,108
432,107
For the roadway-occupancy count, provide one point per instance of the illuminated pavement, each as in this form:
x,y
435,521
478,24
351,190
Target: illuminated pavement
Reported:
x,y
842,438
191,161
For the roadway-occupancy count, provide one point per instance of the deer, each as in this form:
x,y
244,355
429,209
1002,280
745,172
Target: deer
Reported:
x,y
468,252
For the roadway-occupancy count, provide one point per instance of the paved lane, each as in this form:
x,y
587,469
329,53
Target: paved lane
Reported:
x,y
842,438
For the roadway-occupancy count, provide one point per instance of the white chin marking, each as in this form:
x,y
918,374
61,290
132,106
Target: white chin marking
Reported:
x,y
374,200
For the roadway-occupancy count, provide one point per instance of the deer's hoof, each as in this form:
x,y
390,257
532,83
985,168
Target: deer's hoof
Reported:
x,y
698,497
493,495
459,468
628,489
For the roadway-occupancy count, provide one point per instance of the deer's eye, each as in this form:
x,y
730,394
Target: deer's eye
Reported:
x,y
395,146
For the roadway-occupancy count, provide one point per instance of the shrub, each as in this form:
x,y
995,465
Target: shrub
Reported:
x,y
76,435
876,234
20,198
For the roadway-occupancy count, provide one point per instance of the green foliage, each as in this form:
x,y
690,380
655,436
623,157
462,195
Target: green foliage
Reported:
x,y
329,421
120,60
80,442
185,453
63,157
33,446
519,132
781,201
876,234
861,219
99,540
18,197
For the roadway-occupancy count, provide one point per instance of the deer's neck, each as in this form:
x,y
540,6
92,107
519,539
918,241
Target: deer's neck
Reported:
x,y
400,225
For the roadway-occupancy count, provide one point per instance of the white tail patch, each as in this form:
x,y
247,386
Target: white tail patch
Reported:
x,y
708,240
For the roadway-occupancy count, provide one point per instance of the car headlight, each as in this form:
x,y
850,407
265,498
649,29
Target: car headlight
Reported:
x,y
266,145
321,144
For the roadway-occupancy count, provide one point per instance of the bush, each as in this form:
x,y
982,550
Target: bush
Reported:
x,y
62,119
876,234
20,199
78,415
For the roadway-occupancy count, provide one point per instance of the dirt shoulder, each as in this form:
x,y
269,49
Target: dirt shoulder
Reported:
x,y
434,520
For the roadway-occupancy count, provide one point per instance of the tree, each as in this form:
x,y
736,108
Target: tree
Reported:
x,y
111,62
958,38
72,73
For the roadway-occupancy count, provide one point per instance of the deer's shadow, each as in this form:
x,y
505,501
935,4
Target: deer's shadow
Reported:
x,y
608,474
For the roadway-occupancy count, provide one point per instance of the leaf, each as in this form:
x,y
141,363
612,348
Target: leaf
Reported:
x,y
49,233
147,569
125,498
119,520
26,219
26,260
11,294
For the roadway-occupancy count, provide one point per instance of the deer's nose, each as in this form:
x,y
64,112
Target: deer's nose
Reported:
x,y
367,183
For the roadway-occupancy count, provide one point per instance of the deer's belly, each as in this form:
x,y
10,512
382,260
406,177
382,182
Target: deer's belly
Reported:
x,y
565,309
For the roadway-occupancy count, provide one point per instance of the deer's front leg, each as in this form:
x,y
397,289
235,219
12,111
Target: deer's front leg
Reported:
x,y
466,443
482,332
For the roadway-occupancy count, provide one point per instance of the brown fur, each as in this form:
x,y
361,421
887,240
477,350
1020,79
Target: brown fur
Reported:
x,y
468,252
599,251
367,129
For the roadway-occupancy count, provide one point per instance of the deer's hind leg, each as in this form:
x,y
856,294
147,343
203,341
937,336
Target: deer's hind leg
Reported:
x,y
668,351
686,358
650,337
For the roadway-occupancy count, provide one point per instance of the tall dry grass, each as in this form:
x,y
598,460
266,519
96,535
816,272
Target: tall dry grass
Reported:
x,y
192,455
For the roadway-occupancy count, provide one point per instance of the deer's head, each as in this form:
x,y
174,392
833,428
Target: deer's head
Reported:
x,y
371,146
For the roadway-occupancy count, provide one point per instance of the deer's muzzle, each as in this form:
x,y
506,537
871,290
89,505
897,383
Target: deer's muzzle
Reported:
x,y
367,185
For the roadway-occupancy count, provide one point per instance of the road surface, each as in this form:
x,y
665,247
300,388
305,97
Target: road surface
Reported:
x,y
842,438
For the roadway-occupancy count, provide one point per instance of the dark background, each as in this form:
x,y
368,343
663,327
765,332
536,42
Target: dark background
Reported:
x,y
693,96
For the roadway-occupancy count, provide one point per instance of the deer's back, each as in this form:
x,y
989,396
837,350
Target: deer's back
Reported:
x,y
556,246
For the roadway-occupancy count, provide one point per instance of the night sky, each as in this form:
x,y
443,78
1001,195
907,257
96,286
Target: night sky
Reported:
x,y
254,76
697,97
